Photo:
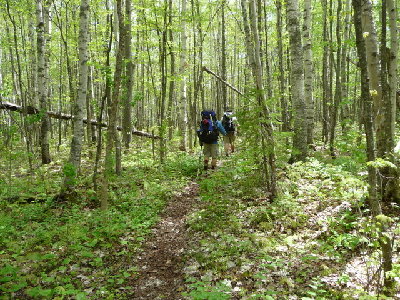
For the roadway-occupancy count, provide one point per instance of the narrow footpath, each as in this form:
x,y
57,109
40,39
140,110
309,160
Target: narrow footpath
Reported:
x,y
160,264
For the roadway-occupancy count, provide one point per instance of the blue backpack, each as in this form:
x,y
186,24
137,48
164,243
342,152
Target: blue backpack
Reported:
x,y
208,132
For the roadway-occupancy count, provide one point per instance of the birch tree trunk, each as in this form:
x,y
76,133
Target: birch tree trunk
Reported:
x,y
338,85
299,151
42,83
325,87
171,95
393,189
18,85
371,44
253,53
163,93
90,136
72,168
283,101
393,56
368,108
267,57
127,113
362,50
111,136
308,73
105,98
182,113
223,55
344,73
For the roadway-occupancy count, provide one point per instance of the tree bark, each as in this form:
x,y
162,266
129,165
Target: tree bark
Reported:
x,y
299,151
42,83
106,97
281,76
344,73
112,140
72,168
163,66
182,113
393,188
19,86
253,53
371,45
127,99
325,77
223,55
373,199
393,55
308,73
338,85
171,91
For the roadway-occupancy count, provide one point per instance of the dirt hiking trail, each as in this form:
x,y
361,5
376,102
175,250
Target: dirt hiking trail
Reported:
x,y
160,263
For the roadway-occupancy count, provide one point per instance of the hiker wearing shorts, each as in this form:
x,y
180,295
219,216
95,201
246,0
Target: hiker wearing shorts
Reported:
x,y
208,135
229,122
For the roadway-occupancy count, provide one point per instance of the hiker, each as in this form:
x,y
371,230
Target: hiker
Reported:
x,y
230,123
208,134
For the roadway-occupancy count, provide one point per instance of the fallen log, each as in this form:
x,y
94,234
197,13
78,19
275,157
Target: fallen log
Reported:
x,y
30,110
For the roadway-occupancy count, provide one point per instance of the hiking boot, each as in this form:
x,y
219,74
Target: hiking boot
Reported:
x,y
212,167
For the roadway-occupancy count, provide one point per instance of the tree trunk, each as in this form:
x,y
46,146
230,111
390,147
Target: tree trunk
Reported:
x,y
393,188
253,53
163,65
344,73
299,151
308,73
171,92
371,45
72,168
106,97
325,84
393,55
338,85
223,55
127,104
112,136
267,58
42,83
283,101
366,96
89,110
19,86
182,113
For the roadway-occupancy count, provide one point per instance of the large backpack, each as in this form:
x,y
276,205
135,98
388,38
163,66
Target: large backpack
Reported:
x,y
227,123
208,132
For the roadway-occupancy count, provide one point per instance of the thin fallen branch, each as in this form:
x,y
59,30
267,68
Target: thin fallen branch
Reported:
x,y
30,110
223,81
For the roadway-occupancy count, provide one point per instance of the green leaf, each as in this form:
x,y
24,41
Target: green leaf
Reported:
x,y
381,163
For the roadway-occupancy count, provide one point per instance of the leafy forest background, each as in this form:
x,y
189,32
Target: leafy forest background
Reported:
x,y
100,102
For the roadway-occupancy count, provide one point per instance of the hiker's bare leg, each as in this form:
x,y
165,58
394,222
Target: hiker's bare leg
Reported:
x,y
232,147
206,164
213,163
226,148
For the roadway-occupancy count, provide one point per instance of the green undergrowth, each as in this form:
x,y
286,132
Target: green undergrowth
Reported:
x,y
53,250
297,246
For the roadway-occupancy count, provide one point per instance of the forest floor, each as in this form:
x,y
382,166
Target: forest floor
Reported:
x,y
225,239
173,235
160,262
